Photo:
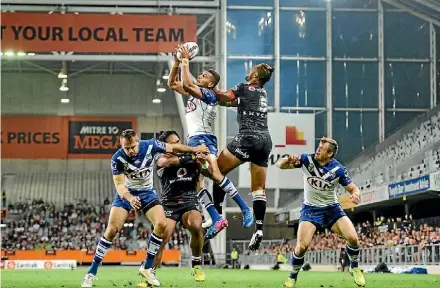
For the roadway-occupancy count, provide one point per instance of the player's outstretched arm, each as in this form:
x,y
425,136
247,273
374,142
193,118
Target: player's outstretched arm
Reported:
x,y
288,162
226,98
173,78
119,181
180,148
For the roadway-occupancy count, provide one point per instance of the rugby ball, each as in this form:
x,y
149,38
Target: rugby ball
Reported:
x,y
193,50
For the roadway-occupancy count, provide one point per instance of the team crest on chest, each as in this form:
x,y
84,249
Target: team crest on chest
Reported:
x,y
126,166
311,167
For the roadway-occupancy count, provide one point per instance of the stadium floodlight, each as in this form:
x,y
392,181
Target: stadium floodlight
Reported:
x,y
9,53
161,89
61,75
21,53
65,100
156,100
31,54
63,86
165,75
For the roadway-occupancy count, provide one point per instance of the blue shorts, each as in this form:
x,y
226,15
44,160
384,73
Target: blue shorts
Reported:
x,y
148,200
208,139
322,217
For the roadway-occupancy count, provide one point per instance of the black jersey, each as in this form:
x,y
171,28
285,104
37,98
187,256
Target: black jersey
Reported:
x,y
178,183
252,108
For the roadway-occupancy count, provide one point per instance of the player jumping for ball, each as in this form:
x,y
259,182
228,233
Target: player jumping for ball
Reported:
x,y
200,114
322,174
253,142
132,167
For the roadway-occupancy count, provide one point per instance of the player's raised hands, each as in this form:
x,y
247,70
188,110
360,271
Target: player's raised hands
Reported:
x,y
184,52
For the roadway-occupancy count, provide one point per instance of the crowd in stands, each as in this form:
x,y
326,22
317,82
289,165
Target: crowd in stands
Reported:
x,y
38,225
388,233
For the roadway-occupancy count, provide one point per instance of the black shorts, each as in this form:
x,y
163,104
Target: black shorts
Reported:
x,y
252,147
176,211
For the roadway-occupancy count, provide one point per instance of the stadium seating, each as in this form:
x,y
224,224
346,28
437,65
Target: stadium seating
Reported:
x,y
61,188
416,153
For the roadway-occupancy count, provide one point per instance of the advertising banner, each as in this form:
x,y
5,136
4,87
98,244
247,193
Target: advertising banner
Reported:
x,y
434,181
86,32
409,187
29,137
59,137
376,195
291,134
38,264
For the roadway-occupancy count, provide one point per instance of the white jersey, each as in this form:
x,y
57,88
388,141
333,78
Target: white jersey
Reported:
x,y
200,113
321,182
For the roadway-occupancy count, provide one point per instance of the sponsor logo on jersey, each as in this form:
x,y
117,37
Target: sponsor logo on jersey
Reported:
x,y
320,184
244,154
190,106
168,213
251,88
181,172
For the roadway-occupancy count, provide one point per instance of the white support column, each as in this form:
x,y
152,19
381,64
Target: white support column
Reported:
x,y
433,60
329,98
381,73
277,72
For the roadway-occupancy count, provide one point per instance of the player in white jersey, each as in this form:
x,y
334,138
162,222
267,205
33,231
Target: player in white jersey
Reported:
x,y
132,168
322,174
200,114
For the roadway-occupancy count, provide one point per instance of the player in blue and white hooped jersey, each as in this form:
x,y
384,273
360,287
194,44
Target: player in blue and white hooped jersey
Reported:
x,y
132,168
200,114
322,174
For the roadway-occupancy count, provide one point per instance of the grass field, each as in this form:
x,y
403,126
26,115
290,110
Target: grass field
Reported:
x,y
215,278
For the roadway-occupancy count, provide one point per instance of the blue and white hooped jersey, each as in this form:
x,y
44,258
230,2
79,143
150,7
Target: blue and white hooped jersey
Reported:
x,y
321,182
200,113
138,170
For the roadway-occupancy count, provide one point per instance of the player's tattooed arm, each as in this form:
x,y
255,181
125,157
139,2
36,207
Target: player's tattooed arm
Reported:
x,y
170,160
288,162
233,103
225,96
180,148
173,79
119,181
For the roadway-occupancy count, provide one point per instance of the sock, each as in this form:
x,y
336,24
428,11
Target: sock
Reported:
x,y
153,246
219,197
206,200
229,188
353,255
196,260
259,205
297,263
102,249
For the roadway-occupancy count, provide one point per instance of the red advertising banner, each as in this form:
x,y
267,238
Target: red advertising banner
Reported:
x,y
58,137
134,33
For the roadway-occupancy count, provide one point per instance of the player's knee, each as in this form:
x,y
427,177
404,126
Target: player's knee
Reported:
x,y
111,232
301,248
160,226
353,240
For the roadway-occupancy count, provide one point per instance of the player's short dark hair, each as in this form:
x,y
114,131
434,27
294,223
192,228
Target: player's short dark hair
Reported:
x,y
165,134
264,73
216,76
333,145
129,135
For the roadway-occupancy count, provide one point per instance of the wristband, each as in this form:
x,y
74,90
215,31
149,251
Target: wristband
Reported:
x,y
176,65
186,158
185,61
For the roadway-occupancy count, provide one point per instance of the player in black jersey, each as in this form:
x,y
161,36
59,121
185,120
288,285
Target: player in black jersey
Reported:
x,y
253,142
178,177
